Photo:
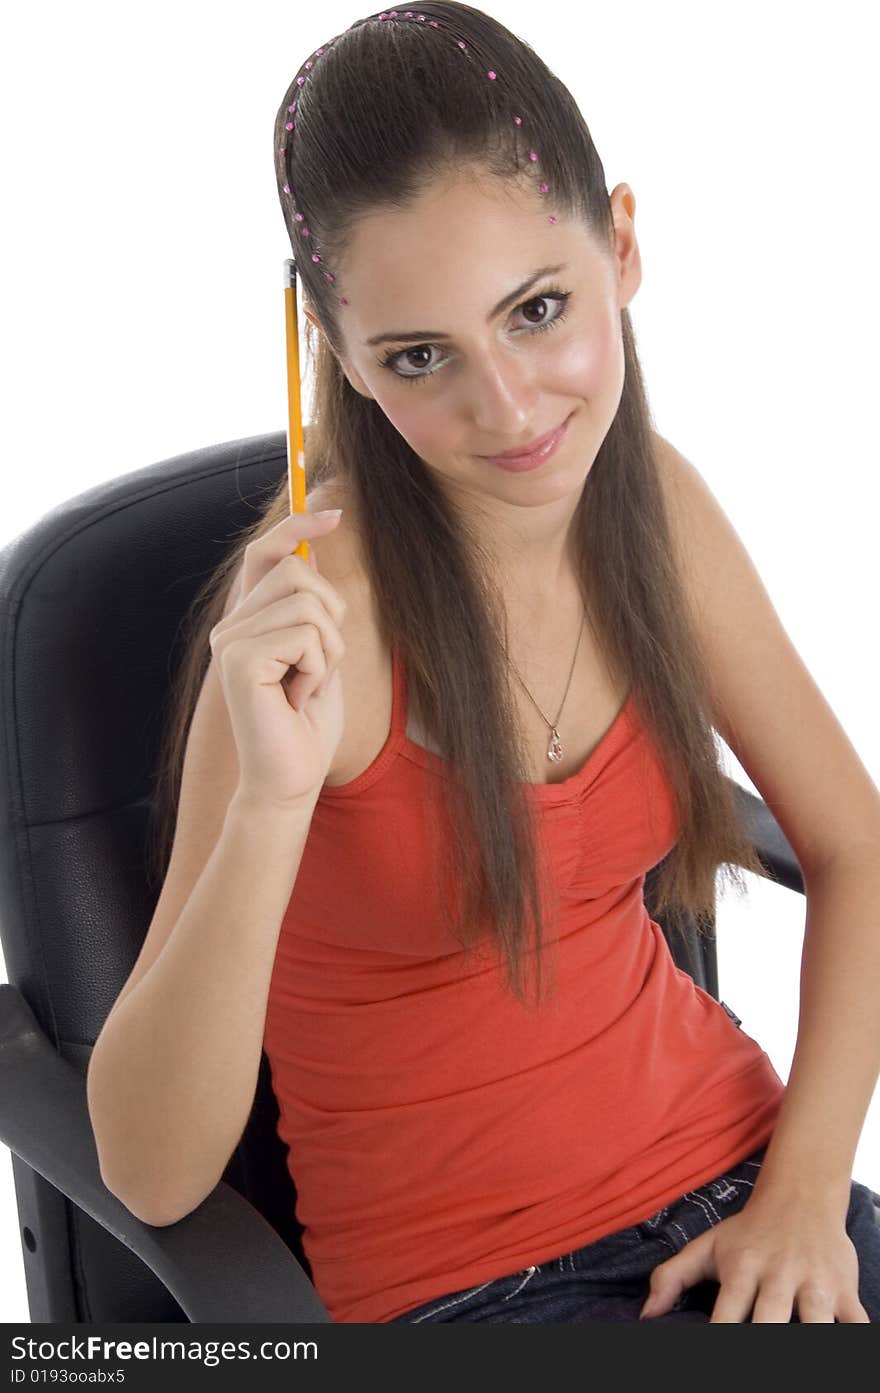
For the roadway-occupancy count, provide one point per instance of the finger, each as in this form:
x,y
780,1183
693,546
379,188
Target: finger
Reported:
x,y
851,1310
669,1279
808,1313
291,607
311,671
816,1302
294,528
264,552
818,1307
287,574
775,1304
734,1301
289,611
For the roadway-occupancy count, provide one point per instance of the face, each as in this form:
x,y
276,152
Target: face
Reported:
x,y
478,380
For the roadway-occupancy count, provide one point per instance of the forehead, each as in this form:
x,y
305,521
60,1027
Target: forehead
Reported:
x,y
464,241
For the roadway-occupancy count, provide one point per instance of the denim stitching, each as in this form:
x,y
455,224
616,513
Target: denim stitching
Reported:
x,y
464,1296
559,1260
699,1197
571,1261
530,1272
741,1179
654,1219
723,1194
702,1200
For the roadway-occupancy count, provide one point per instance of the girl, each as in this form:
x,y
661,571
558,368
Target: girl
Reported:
x,y
423,784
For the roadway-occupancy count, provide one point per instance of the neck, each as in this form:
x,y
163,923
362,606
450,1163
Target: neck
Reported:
x,y
532,560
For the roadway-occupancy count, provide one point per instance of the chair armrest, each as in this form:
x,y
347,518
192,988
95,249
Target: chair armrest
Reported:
x,y
768,839
223,1262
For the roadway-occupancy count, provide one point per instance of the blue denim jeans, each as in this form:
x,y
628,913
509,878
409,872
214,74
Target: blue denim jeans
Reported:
x,y
608,1280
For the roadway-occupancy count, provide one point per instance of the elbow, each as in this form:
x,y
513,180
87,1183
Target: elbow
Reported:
x,y
155,1219
155,1213
158,1210
140,1200
128,1184
146,1210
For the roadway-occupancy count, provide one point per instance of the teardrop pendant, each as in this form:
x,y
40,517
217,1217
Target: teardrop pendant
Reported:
x,y
554,749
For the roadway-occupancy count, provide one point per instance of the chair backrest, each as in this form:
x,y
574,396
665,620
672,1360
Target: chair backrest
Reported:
x,y
91,603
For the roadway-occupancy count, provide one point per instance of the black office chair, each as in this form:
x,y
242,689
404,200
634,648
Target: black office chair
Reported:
x,y
91,600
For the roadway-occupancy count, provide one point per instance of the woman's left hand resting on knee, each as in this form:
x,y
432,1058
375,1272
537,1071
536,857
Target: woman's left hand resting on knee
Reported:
x,y
774,1255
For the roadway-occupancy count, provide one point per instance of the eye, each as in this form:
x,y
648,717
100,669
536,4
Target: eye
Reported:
x,y
390,360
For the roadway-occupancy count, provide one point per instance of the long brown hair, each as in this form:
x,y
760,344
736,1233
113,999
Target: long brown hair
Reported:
x,y
387,108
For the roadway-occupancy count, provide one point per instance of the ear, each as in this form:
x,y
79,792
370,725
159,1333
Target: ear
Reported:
x,y
313,318
354,377
628,258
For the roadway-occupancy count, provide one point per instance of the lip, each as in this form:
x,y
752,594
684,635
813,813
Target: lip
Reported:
x,y
538,451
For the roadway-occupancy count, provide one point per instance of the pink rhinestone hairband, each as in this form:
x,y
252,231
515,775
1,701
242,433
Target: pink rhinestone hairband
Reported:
x,y
290,125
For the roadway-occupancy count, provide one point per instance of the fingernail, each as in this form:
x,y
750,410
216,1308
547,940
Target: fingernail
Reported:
x,y
329,513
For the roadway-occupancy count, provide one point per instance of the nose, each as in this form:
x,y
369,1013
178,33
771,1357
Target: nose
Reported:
x,y
502,396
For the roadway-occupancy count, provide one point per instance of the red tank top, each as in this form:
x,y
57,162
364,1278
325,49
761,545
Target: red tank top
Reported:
x,y
440,1134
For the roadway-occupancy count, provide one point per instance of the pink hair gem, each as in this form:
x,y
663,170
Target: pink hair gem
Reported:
x,y
391,14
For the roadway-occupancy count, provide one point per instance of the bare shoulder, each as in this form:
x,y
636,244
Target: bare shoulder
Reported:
x,y
338,552
768,706
680,484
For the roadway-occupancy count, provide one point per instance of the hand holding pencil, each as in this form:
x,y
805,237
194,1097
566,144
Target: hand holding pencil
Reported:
x,y
278,650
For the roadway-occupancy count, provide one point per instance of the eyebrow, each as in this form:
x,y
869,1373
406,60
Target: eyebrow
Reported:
x,y
416,335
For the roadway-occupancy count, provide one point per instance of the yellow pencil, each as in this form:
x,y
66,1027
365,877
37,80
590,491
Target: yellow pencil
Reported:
x,y
296,469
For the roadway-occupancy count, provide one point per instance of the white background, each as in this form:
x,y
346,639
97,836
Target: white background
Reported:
x,y
143,310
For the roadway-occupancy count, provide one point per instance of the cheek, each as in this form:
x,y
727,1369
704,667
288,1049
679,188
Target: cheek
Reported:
x,y
591,364
423,423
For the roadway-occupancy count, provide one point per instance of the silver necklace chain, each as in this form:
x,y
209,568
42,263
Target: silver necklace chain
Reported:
x,y
554,749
